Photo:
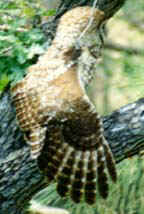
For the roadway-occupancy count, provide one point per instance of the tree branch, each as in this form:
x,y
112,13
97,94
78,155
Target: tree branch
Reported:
x,y
127,49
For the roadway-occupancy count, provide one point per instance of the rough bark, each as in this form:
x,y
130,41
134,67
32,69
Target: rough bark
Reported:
x,y
20,178
110,7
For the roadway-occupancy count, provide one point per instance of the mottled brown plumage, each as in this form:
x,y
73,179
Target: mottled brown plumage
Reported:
x,y
61,125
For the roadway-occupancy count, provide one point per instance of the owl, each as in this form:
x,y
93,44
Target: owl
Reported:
x,y
59,122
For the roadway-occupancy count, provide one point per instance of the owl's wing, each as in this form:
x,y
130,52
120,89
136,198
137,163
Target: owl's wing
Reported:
x,y
77,156
26,101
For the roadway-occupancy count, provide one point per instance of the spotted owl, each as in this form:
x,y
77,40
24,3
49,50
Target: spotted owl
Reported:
x,y
59,122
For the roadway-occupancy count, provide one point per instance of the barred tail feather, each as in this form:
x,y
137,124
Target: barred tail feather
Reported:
x,y
110,162
65,171
79,177
79,164
90,186
102,176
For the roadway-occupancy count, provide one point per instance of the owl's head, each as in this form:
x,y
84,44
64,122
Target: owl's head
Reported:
x,y
79,26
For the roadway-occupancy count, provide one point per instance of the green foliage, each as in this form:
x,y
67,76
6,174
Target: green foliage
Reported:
x,y
20,42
